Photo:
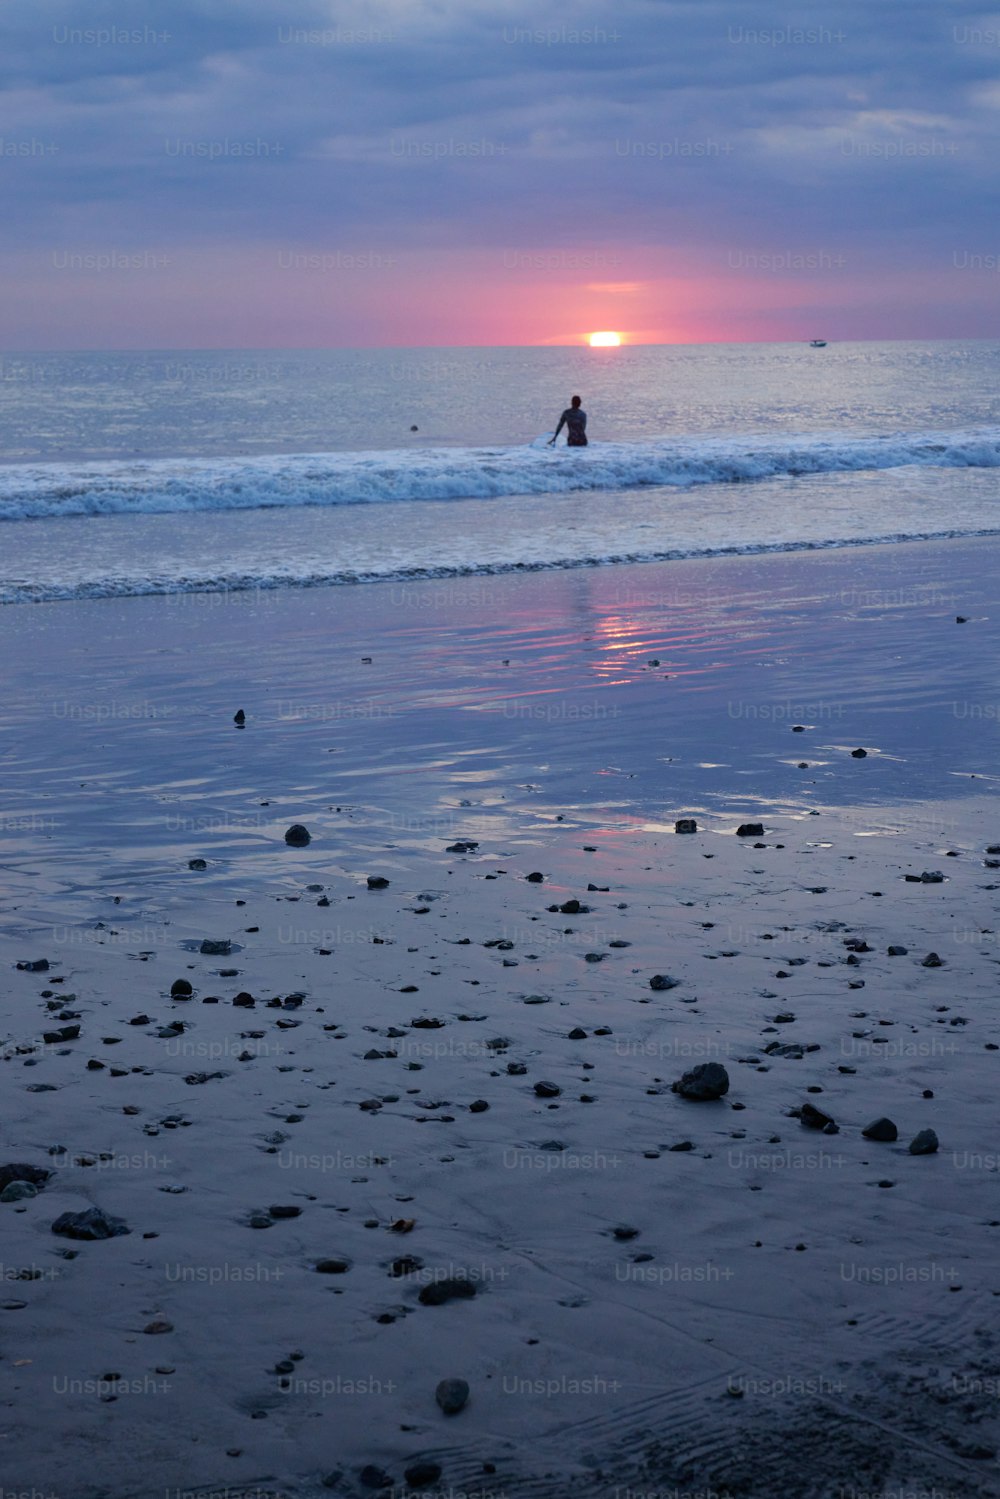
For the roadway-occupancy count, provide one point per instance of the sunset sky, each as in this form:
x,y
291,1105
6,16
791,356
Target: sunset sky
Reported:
x,y
266,174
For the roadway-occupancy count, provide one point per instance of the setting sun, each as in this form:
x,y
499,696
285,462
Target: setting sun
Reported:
x,y
605,340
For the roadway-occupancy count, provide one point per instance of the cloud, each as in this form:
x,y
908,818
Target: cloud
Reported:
x,y
678,127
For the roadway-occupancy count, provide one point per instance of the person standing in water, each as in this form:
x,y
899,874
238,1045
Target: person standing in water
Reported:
x,y
575,421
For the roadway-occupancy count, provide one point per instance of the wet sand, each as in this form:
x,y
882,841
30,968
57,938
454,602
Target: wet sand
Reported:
x,y
455,1092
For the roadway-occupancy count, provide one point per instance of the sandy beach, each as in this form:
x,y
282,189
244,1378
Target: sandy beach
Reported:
x,y
369,1138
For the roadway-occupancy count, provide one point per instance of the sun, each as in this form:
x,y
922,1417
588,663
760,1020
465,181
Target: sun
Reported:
x,y
604,340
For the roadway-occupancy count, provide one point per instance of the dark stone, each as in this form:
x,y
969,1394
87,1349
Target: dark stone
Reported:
x,y
284,1210
91,1224
215,949
377,882
547,1090
707,1081
895,951
34,965
239,717
463,846
455,1288
65,1033
932,961
571,908
181,989
333,1267
479,1106
18,1171
298,835
750,830
452,1395
663,981
814,1118
244,1001
197,864
419,1475
881,1129
535,878
686,825
577,1034
683,1145
407,1264
375,1478
18,1192
926,1143
859,754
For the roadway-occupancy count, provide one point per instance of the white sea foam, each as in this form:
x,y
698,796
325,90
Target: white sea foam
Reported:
x,y
37,491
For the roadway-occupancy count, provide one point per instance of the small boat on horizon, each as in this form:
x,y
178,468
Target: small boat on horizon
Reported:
x,y
817,343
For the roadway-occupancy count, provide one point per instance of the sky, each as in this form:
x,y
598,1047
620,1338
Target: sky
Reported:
x,y
304,174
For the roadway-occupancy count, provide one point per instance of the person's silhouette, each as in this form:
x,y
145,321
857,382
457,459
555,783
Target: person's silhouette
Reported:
x,y
575,421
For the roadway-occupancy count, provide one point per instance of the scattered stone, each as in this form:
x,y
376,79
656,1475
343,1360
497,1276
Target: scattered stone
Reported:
x,y
65,1033
814,1118
377,882
19,1171
547,1090
572,908
686,825
707,1081
535,878
91,1224
197,864
18,1192
463,846
284,1210
577,1034
421,1474
372,1477
895,951
239,717
478,1106
452,1396
159,1326
407,1264
932,961
298,835
663,981
216,949
925,1143
881,1129
682,1145
750,830
859,754
34,965
454,1288
333,1267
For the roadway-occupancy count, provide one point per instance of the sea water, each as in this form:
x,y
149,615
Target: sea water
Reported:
x,y
176,471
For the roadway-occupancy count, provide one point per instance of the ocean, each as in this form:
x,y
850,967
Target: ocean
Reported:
x,y
140,473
